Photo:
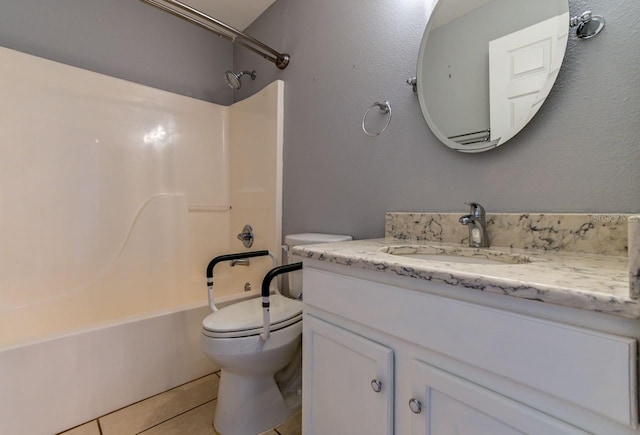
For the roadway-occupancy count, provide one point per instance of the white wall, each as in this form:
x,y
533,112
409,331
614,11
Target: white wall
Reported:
x,y
256,133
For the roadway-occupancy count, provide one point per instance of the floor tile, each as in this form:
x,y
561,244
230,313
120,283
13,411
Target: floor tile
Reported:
x,y
157,409
198,421
269,432
90,428
293,426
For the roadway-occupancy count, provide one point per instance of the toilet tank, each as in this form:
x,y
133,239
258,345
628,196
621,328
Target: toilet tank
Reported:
x,y
295,278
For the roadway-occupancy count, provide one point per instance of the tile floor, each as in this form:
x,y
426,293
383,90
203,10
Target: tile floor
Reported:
x,y
187,409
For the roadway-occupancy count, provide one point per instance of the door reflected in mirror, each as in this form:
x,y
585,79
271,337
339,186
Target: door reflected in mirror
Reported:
x,y
486,66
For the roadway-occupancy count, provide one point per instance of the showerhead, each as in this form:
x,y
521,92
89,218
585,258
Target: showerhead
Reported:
x,y
233,79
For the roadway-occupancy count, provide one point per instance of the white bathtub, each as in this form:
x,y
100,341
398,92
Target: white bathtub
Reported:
x,y
51,385
112,207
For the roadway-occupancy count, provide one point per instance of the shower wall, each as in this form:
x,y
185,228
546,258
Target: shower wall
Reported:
x,y
113,197
256,132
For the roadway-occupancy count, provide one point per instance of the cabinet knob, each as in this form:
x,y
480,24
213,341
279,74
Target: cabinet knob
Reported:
x,y
376,385
415,406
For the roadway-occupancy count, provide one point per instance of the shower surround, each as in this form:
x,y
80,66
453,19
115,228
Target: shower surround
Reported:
x,y
114,197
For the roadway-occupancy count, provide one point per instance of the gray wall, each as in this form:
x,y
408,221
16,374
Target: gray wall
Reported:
x,y
127,39
580,153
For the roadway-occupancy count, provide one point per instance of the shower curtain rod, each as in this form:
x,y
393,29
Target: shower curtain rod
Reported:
x,y
223,30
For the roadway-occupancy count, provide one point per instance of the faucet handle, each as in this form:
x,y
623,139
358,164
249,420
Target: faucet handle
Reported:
x,y
476,210
465,220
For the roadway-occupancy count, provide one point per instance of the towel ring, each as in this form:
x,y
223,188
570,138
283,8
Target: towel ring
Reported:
x,y
385,108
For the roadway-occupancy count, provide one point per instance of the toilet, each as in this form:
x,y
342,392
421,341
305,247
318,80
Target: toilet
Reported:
x,y
260,381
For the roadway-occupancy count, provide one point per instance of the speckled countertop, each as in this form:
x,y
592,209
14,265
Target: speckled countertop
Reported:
x,y
586,281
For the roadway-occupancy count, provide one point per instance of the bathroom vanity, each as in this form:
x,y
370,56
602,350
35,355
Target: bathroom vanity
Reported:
x,y
528,341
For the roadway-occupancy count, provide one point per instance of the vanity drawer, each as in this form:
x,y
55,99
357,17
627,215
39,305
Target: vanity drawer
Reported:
x,y
594,370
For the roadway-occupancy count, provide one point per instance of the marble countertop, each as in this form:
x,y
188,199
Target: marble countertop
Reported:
x,y
586,281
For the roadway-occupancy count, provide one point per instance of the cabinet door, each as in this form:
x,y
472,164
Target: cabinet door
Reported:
x,y
347,382
444,404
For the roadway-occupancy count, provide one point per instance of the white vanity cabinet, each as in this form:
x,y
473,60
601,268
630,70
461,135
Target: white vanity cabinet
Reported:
x,y
446,404
350,382
447,365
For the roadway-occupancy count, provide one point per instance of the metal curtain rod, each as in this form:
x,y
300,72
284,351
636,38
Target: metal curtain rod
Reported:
x,y
223,30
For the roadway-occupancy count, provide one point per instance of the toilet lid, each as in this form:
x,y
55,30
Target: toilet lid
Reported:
x,y
245,318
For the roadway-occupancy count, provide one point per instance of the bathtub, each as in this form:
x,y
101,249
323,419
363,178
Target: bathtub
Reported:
x,y
131,331
114,198
54,381
87,351
53,384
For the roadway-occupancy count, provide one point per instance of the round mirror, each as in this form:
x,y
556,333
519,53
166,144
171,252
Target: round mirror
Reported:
x,y
486,66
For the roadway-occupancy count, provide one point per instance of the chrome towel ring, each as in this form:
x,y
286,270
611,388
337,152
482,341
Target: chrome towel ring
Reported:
x,y
385,108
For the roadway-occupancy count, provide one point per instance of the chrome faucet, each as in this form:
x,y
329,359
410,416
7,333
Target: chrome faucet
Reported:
x,y
475,220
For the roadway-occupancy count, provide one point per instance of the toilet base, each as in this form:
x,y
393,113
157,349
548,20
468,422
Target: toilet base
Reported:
x,y
249,405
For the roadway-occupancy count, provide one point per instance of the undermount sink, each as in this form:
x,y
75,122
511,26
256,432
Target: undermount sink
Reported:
x,y
456,254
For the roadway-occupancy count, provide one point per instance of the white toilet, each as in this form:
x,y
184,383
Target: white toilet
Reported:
x,y
260,380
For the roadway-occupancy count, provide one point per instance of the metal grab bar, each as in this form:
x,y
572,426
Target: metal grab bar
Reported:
x,y
223,30
266,283
231,257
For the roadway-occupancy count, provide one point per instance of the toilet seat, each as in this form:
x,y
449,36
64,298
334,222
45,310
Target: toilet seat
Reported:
x,y
244,319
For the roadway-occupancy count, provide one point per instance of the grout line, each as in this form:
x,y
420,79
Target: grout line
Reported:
x,y
277,431
99,426
178,415
162,392
81,424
